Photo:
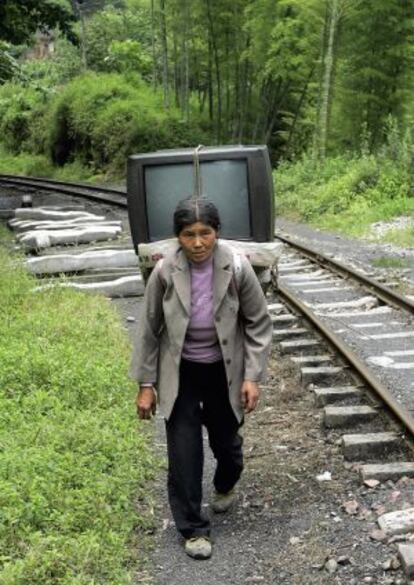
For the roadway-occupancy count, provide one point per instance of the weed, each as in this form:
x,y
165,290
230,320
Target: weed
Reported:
x,y
389,262
73,458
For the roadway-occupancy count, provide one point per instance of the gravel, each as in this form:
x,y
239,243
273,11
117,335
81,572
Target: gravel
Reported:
x,y
362,254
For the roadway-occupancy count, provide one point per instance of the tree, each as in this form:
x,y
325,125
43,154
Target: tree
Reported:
x,y
19,20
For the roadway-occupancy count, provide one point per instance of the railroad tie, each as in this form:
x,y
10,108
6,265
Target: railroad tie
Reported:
x,y
341,416
298,345
325,396
358,446
387,471
318,374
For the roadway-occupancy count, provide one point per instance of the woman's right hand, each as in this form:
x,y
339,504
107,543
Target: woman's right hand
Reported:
x,y
146,402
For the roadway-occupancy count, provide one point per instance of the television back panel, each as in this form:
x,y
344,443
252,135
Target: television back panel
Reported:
x,y
236,178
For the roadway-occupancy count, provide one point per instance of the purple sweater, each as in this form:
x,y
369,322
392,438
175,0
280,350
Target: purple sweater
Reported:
x,y
201,343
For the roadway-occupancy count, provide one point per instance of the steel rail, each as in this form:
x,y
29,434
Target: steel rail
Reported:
x,y
352,359
91,192
384,293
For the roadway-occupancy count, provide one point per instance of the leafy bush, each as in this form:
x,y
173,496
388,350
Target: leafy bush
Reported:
x,y
102,118
19,108
72,463
343,193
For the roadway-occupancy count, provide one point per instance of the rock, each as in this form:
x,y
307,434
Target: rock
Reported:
x,y
378,535
294,540
371,483
351,507
325,476
131,319
331,566
344,560
391,564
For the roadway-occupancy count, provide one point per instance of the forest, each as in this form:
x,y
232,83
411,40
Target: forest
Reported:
x,y
326,84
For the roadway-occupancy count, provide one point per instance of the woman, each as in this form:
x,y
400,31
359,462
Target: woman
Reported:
x,y
203,342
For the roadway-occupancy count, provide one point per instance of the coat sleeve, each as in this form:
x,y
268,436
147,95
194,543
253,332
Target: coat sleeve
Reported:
x,y
257,325
144,362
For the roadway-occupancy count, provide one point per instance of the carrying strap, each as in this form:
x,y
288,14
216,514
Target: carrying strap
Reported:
x,y
237,269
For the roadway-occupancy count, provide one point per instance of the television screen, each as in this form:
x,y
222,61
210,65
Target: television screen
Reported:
x,y
223,182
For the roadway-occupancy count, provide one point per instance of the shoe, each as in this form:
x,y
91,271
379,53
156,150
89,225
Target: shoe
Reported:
x,y
198,547
222,502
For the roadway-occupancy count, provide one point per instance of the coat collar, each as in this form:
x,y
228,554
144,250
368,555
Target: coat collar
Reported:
x,y
222,259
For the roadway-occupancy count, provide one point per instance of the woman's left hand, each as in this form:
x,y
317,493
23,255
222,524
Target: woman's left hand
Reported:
x,y
249,396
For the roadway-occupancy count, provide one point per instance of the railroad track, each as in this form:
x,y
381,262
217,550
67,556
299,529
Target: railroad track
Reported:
x,y
86,191
352,339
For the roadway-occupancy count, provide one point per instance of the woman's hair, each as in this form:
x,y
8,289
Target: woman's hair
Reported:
x,y
191,210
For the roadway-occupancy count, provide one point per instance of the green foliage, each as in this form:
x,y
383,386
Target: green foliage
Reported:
x,y
8,63
19,20
19,108
72,463
118,40
402,237
344,193
390,262
25,164
101,119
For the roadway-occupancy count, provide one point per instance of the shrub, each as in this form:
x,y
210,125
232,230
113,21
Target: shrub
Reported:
x,y
19,107
102,118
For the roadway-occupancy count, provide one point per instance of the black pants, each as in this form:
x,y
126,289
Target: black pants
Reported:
x,y
202,400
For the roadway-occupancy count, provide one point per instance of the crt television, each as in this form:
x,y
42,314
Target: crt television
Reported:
x,y
238,179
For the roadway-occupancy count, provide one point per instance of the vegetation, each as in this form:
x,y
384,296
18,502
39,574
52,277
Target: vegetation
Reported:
x,y
388,262
349,192
73,466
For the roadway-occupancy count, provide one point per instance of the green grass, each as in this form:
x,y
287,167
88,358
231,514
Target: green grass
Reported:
x,y
402,237
74,460
39,166
345,194
388,262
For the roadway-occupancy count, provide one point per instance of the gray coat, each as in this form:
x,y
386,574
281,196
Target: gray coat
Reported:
x,y
243,326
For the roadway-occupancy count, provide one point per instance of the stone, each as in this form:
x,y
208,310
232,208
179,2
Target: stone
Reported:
x,y
324,396
59,263
398,522
311,359
372,483
362,446
285,318
406,554
298,345
291,332
317,374
378,535
386,471
331,566
338,416
351,507
128,286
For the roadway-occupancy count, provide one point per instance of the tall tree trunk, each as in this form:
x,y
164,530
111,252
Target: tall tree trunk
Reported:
x,y
301,101
176,73
186,64
217,69
153,48
328,75
210,80
164,44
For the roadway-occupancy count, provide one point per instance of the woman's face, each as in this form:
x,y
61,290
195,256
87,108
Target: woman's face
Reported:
x,y
197,240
